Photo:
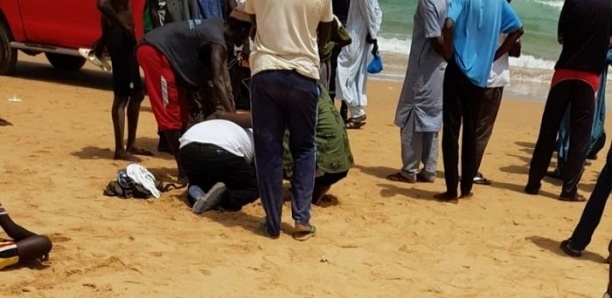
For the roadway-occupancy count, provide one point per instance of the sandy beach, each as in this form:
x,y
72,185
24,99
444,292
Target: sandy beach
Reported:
x,y
383,239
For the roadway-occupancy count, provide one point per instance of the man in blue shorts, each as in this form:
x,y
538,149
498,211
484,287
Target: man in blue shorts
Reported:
x,y
471,31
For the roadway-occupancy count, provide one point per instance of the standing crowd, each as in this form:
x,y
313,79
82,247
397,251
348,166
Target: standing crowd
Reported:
x,y
243,95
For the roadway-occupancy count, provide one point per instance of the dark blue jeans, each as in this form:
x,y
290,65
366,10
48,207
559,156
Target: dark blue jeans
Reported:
x,y
282,99
591,216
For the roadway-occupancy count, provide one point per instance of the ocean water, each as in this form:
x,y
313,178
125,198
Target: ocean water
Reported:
x,y
531,73
539,19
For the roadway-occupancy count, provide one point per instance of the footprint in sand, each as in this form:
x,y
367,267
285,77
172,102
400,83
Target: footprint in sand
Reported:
x,y
58,238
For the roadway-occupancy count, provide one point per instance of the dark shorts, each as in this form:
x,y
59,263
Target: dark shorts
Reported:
x,y
330,179
126,74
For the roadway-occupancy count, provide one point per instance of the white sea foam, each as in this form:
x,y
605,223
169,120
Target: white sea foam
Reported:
x,y
394,45
527,61
402,46
552,3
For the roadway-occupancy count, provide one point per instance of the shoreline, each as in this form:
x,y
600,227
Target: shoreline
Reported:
x,y
531,84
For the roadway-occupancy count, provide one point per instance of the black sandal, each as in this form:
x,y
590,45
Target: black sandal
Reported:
x,y
566,246
356,122
577,198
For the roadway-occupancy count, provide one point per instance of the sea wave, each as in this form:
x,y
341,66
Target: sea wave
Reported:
x,y
402,46
552,3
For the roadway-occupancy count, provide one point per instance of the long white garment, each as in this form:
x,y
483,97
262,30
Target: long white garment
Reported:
x,y
364,16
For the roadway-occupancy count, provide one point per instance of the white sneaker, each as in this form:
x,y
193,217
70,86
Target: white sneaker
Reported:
x,y
100,62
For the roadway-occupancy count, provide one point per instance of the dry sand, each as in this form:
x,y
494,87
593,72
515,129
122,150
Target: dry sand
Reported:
x,y
383,239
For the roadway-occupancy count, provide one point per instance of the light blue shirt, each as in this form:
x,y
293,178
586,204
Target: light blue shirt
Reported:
x,y
478,24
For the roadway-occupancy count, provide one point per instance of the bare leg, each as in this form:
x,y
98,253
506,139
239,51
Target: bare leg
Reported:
x,y
34,247
118,115
133,112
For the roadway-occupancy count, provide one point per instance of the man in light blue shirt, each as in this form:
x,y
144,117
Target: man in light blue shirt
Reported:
x,y
471,32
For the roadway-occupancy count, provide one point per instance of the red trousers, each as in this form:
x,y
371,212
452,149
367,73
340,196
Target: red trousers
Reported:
x,y
168,102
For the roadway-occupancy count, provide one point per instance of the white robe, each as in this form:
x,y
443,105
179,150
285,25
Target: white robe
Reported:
x,y
364,16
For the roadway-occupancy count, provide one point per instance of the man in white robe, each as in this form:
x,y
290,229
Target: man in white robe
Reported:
x,y
363,24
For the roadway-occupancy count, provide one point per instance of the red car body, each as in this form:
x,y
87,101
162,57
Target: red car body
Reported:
x,y
56,28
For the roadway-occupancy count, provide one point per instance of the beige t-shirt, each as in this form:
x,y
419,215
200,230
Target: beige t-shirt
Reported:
x,y
286,36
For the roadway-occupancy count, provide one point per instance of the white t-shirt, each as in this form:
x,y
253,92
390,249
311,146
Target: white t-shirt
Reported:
x,y
500,72
286,36
223,133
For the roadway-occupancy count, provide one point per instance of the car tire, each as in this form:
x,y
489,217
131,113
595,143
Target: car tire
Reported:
x,y
8,55
65,62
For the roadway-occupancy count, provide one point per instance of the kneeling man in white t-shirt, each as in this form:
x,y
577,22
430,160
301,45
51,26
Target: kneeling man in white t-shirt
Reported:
x,y
217,156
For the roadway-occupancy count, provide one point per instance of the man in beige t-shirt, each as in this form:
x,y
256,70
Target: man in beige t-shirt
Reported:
x,y
284,62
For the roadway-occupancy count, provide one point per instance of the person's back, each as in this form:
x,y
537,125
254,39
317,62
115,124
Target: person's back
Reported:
x,y
285,69
287,39
478,24
181,42
585,29
218,158
223,133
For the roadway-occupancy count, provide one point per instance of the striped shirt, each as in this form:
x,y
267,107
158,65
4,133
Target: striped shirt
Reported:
x,y
2,210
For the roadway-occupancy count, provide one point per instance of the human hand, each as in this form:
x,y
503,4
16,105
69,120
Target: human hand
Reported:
x,y
375,48
369,39
216,115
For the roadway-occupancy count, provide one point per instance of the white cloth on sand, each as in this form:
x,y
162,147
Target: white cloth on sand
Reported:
x,y
143,177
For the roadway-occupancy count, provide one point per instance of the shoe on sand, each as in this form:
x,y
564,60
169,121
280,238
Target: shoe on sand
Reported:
x,y
210,200
100,62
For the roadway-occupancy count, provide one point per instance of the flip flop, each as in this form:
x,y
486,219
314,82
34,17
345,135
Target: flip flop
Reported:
x,y
577,198
421,178
263,228
356,122
567,249
398,177
140,151
304,232
481,181
95,60
354,125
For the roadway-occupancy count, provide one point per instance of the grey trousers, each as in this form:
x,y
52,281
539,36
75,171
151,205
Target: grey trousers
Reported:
x,y
417,148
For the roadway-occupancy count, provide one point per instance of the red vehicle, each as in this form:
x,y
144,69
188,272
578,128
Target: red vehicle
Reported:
x,y
56,28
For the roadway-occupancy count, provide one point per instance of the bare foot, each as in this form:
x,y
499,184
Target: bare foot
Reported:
x,y
5,123
139,151
327,200
447,197
126,156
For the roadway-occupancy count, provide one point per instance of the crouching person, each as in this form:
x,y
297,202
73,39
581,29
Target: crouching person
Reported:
x,y
217,156
333,150
24,245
